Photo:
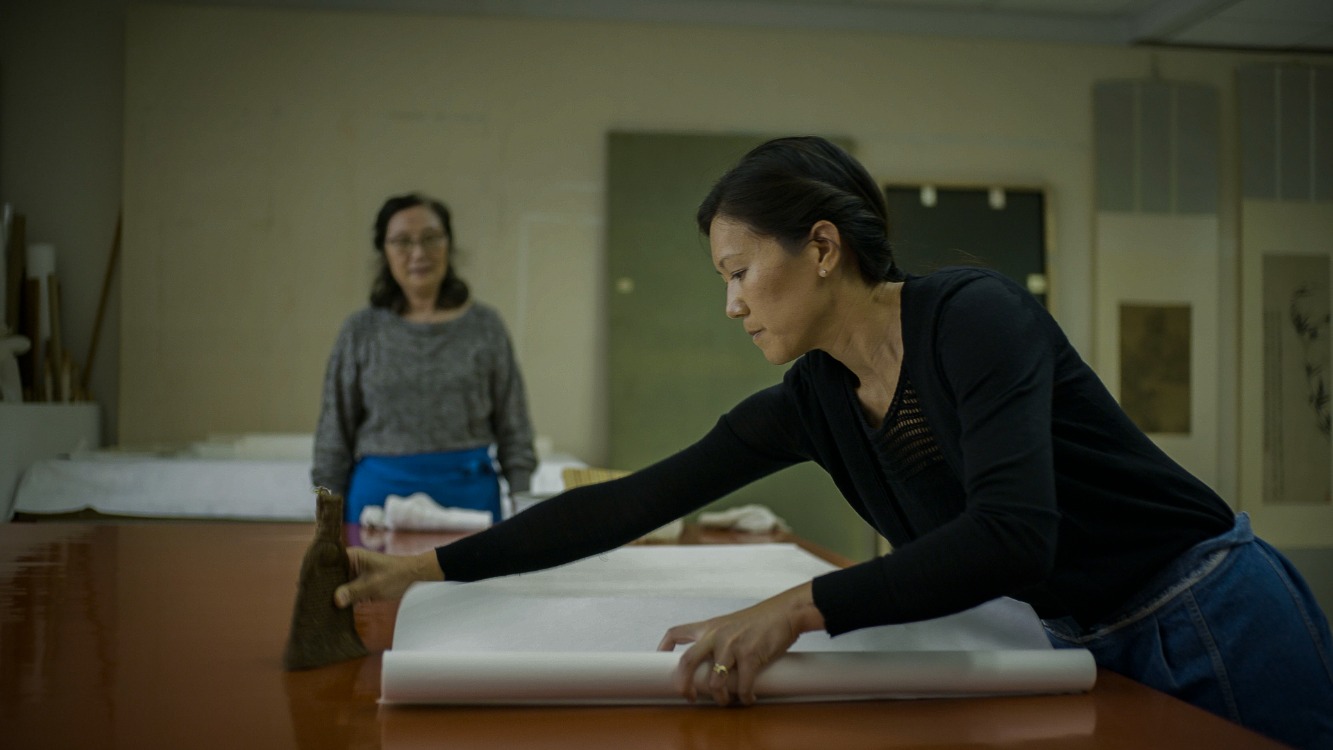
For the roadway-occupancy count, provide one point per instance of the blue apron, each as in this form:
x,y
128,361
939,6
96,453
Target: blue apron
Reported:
x,y
454,479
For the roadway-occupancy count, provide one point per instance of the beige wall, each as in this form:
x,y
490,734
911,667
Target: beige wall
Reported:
x,y
257,145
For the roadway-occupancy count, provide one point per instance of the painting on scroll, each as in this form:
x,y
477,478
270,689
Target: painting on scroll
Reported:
x,y
1298,460
1155,366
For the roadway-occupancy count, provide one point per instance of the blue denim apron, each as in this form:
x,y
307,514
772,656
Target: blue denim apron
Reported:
x,y
454,479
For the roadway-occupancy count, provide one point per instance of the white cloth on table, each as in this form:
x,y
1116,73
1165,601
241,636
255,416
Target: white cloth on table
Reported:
x,y
420,512
755,519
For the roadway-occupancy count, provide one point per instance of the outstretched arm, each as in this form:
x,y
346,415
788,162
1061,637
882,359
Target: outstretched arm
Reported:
x,y
378,576
583,521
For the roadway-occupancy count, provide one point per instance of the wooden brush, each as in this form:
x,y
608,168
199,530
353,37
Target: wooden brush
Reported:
x,y
321,633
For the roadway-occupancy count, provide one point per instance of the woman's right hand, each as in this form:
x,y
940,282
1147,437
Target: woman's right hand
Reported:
x,y
378,576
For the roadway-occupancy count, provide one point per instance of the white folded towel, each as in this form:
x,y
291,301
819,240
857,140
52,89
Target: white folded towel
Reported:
x,y
418,512
669,533
754,519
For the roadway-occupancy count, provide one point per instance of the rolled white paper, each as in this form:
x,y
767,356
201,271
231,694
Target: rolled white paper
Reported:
x,y
41,263
561,678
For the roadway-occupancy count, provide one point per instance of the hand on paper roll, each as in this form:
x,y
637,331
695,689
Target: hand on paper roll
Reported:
x,y
377,576
735,648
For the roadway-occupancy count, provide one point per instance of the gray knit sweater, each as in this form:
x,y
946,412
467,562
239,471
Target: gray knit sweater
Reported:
x,y
398,388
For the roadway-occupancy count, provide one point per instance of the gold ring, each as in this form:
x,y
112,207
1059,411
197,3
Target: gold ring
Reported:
x,y
720,669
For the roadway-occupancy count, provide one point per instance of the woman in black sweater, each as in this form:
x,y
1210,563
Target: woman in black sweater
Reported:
x,y
955,417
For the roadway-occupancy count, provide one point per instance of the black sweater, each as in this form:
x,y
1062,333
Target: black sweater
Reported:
x,y
1061,500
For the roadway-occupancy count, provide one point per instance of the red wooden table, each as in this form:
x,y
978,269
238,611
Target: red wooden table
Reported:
x,y
170,635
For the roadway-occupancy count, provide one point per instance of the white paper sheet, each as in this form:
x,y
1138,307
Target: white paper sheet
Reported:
x,y
586,633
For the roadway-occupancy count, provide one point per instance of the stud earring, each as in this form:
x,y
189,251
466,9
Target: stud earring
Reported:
x,y
823,272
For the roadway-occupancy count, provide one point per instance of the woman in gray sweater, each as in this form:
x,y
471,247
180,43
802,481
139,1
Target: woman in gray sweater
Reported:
x,y
423,382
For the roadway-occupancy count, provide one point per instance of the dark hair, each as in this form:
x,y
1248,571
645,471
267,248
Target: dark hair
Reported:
x,y
384,291
782,187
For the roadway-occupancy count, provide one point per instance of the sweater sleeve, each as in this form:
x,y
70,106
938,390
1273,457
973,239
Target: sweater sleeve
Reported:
x,y
994,360
594,518
509,419
340,412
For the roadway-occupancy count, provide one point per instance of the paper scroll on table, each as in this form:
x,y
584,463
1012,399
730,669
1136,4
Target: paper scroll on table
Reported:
x,y
586,633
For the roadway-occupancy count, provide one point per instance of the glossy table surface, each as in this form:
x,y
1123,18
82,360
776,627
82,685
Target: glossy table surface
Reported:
x,y
170,635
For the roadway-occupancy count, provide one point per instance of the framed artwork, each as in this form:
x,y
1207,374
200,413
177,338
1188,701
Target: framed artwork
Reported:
x,y
1298,457
1157,343
1000,227
1286,454
1155,366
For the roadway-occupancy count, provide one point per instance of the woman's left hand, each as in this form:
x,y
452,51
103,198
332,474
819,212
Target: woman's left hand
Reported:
x,y
738,646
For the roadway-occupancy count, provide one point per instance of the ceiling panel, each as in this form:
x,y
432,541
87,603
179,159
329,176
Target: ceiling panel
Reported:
x,y
1303,26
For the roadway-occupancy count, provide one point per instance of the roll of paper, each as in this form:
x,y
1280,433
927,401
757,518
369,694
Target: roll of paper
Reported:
x,y
41,263
629,678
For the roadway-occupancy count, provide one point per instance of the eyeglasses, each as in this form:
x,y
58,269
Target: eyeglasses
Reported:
x,y
431,243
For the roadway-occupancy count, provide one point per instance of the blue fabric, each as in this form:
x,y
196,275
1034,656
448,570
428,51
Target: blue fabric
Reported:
x,y
1230,627
454,479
